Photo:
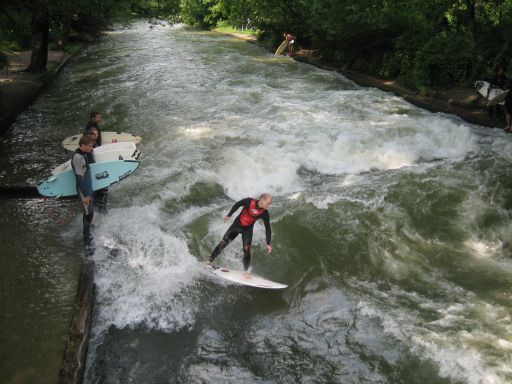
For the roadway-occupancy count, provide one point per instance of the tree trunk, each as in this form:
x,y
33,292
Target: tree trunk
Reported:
x,y
472,25
40,37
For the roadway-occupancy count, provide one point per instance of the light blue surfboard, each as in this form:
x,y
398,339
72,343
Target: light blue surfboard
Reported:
x,y
103,175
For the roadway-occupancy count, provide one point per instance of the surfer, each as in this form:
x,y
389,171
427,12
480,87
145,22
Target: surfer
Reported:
x,y
101,195
80,162
252,211
290,37
94,133
94,121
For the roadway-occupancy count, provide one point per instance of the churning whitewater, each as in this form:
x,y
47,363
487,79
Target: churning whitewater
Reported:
x,y
390,223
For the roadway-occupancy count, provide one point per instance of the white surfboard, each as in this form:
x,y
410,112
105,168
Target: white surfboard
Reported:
x,y
493,95
239,278
108,152
71,143
498,99
282,47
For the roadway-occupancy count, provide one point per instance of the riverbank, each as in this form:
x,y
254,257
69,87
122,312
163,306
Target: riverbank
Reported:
x,y
463,102
19,89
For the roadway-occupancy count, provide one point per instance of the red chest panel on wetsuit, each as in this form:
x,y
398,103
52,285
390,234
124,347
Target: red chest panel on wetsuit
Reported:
x,y
249,216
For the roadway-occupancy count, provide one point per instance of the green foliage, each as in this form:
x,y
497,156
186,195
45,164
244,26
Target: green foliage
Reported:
x,y
224,26
155,8
200,13
424,43
443,60
15,32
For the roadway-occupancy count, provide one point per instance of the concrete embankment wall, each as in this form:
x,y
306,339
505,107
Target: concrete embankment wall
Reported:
x,y
73,363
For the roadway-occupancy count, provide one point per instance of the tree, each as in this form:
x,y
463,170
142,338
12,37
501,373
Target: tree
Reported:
x,y
40,36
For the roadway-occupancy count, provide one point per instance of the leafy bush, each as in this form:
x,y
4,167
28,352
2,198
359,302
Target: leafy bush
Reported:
x,y
199,13
444,60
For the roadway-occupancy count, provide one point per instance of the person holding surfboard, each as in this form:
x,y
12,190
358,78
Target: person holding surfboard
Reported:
x,y
94,121
81,160
290,37
252,210
101,195
94,133
289,40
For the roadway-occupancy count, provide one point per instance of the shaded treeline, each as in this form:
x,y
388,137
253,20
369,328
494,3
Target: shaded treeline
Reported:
x,y
40,24
423,43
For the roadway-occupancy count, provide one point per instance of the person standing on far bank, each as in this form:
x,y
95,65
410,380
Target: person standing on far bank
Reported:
x,y
290,37
252,211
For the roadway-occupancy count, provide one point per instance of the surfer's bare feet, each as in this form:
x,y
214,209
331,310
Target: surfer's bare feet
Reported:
x,y
247,275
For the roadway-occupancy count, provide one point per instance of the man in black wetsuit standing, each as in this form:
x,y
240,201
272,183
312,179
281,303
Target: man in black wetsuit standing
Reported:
x,y
252,211
80,162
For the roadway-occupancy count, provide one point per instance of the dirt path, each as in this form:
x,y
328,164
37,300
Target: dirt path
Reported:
x,y
19,89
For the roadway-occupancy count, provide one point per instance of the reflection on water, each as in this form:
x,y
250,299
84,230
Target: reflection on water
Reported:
x,y
38,284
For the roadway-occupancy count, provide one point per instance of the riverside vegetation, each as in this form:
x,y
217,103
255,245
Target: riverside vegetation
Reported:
x,y
424,44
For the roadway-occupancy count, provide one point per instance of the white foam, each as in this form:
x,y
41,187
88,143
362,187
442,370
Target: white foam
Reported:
x,y
337,148
445,341
484,249
142,273
257,170
311,137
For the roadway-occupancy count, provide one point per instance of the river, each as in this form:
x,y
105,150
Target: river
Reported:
x,y
391,224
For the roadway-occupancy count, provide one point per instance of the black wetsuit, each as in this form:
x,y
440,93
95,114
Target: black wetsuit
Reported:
x,y
244,224
508,99
80,162
101,195
499,81
90,125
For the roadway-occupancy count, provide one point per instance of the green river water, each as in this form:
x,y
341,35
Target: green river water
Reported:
x,y
391,226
